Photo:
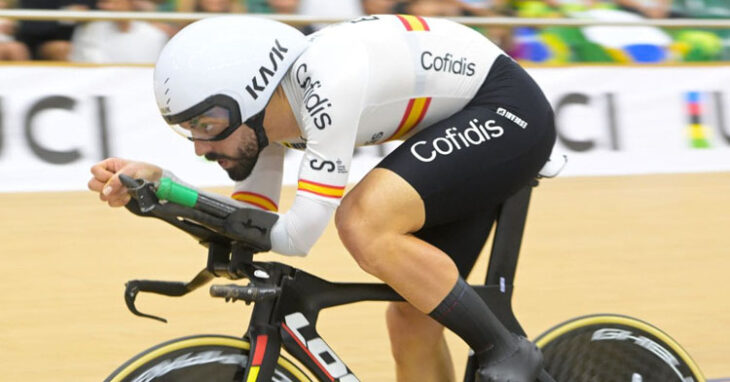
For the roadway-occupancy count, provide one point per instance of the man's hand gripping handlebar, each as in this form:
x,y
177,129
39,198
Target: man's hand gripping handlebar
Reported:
x,y
232,235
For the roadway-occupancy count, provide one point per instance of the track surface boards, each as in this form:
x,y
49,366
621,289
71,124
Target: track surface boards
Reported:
x,y
653,247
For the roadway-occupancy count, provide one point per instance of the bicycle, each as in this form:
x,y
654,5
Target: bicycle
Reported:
x,y
287,302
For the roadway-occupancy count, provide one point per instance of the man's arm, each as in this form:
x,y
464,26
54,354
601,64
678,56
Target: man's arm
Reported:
x,y
340,74
262,189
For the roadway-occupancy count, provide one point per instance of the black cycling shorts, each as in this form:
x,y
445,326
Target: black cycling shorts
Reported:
x,y
465,166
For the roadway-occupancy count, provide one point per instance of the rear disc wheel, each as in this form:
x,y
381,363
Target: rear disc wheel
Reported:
x,y
614,348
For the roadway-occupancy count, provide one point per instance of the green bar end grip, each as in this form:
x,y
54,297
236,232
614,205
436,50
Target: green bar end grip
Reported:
x,y
176,193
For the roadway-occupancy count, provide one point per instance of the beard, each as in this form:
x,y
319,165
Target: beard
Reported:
x,y
243,163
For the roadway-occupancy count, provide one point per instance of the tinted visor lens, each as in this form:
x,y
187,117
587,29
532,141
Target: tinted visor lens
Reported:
x,y
211,120
207,126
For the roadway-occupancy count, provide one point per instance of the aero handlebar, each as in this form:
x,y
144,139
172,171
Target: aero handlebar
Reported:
x,y
232,235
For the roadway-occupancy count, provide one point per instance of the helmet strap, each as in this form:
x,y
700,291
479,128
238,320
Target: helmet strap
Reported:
x,y
257,124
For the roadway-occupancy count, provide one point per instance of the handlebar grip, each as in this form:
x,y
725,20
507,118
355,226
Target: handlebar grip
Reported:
x,y
176,193
179,194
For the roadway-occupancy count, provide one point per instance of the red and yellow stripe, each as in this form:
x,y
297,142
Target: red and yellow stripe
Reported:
x,y
415,111
321,189
417,107
258,357
414,23
257,200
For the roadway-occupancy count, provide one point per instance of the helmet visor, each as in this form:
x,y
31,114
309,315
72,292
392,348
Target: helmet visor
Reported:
x,y
205,127
213,119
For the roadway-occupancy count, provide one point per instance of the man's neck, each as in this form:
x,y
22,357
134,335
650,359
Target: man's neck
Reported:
x,y
279,121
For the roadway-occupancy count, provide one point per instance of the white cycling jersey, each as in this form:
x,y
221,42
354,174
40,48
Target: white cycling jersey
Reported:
x,y
362,82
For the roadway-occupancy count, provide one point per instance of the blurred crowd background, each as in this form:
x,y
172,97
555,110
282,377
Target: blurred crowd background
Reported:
x,y
140,42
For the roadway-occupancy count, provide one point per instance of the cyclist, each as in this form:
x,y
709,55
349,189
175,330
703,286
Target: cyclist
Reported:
x,y
476,128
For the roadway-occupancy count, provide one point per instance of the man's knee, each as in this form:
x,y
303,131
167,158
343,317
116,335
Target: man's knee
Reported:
x,y
358,232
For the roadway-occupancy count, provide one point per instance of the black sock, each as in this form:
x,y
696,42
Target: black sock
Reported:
x,y
467,315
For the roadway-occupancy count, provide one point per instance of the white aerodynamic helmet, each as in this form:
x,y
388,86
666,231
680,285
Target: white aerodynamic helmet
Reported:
x,y
220,72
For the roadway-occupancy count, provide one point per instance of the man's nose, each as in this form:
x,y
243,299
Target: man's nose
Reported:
x,y
202,147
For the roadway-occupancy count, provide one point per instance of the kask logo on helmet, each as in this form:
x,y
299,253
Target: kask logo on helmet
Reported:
x,y
277,52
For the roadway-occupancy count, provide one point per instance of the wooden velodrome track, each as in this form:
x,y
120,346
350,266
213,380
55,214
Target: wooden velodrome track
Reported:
x,y
654,247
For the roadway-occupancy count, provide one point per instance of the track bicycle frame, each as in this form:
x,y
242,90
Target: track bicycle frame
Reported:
x,y
288,300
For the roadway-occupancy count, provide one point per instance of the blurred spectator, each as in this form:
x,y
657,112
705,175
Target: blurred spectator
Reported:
x,y
212,6
285,7
289,7
344,9
9,48
652,9
329,8
154,6
49,40
435,8
378,7
452,8
483,7
146,5
117,41
558,8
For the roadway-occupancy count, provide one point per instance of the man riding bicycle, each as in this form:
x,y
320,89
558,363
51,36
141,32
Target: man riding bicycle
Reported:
x,y
476,129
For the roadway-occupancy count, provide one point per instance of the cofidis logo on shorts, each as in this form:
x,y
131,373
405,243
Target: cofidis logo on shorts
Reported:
x,y
455,140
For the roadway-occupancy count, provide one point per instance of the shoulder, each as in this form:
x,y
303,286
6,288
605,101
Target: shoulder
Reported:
x,y
331,47
333,60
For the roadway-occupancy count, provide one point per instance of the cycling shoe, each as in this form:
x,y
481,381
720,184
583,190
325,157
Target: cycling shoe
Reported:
x,y
522,363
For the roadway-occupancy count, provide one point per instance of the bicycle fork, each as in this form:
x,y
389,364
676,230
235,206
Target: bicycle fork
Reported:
x,y
268,331
265,343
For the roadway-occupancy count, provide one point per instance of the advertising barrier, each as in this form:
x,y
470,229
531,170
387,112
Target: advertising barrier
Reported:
x,y
57,121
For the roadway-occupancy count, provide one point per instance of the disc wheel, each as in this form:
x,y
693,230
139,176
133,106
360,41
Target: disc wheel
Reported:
x,y
614,348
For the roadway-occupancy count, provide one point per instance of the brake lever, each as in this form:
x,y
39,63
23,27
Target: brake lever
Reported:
x,y
165,288
142,191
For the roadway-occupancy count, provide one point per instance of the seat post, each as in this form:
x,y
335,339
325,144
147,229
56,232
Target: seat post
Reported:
x,y
508,239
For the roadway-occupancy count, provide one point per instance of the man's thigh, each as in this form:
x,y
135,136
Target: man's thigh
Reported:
x,y
470,162
386,201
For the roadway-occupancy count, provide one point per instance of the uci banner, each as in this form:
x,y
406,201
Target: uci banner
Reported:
x,y
57,121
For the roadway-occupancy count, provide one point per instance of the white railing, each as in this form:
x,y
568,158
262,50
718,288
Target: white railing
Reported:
x,y
21,14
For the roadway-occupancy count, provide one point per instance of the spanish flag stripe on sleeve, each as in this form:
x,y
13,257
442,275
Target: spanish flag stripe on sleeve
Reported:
x,y
415,111
414,23
424,25
426,103
321,189
257,200
405,22
404,119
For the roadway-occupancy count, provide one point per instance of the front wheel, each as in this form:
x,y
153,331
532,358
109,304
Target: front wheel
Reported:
x,y
198,358
614,348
